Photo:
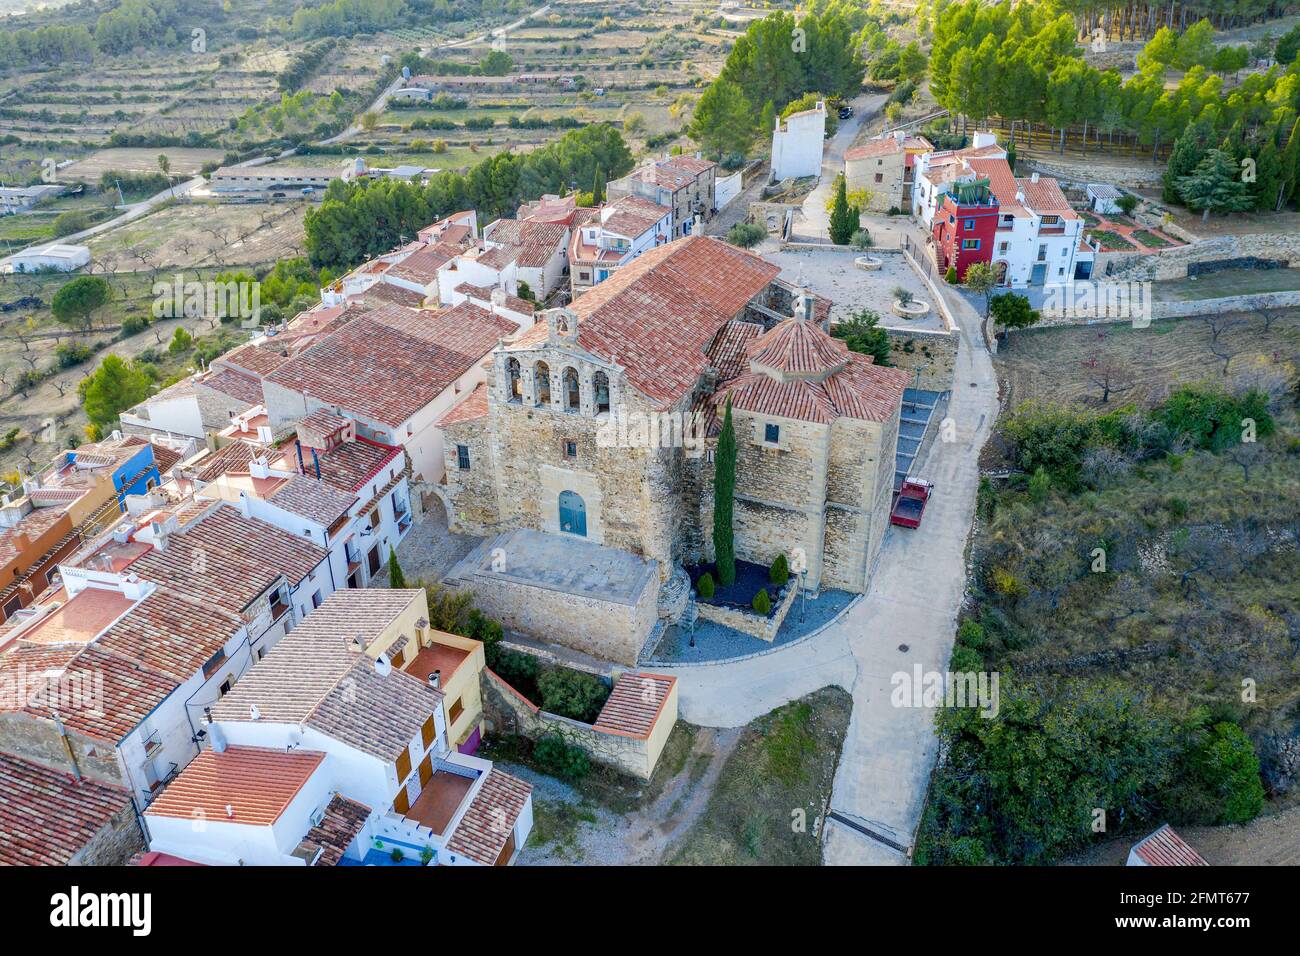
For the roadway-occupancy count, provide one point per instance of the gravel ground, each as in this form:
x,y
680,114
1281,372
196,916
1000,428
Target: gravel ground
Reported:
x,y
713,642
832,273
430,550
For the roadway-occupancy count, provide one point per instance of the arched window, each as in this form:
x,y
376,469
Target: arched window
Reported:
x,y
572,393
600,387
515,391
573,513
542,383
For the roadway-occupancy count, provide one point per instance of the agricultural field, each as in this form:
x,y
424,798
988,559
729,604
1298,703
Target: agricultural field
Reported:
x,y
184,162
1070,365
198,235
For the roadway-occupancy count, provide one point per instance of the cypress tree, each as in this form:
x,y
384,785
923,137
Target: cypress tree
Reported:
x,y
395,577
724,488
844,218
598,188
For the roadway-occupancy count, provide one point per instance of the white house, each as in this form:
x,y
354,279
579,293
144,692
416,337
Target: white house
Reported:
x,y
1104,198
797,143
328,753
613,236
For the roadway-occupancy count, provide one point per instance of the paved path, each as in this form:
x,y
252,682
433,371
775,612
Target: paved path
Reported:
x,y
815,223
913,602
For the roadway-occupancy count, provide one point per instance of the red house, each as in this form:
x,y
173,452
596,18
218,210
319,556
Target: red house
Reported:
x,y
964,226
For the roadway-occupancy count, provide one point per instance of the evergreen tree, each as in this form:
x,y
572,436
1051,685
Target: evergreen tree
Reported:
x,y
767,120
1189,150
1268,178
723,120
395,577
844,218
1215,186
598,188
724,489
1289,167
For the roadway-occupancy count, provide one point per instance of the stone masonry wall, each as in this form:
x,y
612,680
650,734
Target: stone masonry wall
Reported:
x,y
114,843
508,711
931,354
1173,263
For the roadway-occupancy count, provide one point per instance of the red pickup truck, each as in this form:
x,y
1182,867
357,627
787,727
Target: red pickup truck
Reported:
x,y
909,504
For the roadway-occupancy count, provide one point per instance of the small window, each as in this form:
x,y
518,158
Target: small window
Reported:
x,y
880,177
316,600
970,225
569,448
462,457
428,733
374,518
970,243
772,434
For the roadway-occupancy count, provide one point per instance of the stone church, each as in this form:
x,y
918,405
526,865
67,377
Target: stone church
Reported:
x,y
597,427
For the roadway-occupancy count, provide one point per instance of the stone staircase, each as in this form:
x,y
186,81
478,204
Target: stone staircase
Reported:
x,y
675,596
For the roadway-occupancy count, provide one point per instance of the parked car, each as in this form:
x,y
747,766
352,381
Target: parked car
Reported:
x,y
910,503
846,111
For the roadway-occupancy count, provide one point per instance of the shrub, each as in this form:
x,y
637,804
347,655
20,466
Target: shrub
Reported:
x,y
181,342
561,759
572,694
862,240
762,603
746,234
1127,203
965,659
971,634
517,669
779,572
704,586
951,275
1221,781
134,325
904,296
396,855
71,353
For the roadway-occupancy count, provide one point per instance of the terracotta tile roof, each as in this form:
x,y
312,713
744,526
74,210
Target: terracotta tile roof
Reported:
x,y
657,316
483,831
1002,183
314,500
350,465
234,458
691,164
317,676
171,634
245,388
1167,848
228,560
165,458
47,816
860,390
392,362
130,691
258,360
729,351
537,242
874,148
631,216
472,407
257,784
382,292
798,348
422,266
343,820
1045,196
32,526
634,704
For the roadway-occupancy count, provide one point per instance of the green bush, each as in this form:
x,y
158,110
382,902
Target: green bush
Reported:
x,y
1220,783
779,572
746,234
704,586
572,694
72,353
965,659
951,275
561,759
971,634
134,325
517,669
762,603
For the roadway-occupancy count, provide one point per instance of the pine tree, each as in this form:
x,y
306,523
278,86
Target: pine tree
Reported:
x,y
395,577
724,489
1215,186
1268,178
1189,150
767,119
1290,171
844,218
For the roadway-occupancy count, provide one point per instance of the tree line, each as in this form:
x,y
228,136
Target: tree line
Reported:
x,y
778,60
360,220
1022,63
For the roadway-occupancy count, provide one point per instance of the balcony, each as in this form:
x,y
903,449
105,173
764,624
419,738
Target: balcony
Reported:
x,y
440,800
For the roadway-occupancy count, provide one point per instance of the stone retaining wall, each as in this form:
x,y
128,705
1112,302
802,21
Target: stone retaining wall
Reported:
x,y
748,622
931,355
509,711
1173,263
1189,309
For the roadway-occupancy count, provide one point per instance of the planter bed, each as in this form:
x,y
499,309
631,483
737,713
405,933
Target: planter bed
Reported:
x,y
739,595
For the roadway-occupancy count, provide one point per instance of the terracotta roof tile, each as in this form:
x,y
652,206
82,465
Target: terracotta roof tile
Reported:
x,y
483,831
472,407
248,785
314,500
47,816
342,821
237,385
634,705
1167,848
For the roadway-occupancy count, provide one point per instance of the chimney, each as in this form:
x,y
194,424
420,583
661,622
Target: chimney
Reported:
x,y
435,679
218,738
254,713
383,666
359,644
1033,178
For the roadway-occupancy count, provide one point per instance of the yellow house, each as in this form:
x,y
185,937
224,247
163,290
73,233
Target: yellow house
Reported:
x,y
453,664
